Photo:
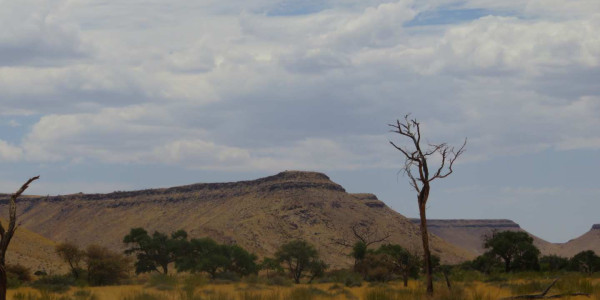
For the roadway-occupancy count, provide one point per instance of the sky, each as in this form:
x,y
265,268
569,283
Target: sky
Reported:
x,y
100,96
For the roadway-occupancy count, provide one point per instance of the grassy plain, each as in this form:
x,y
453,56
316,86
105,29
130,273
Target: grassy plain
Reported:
x,y
186,289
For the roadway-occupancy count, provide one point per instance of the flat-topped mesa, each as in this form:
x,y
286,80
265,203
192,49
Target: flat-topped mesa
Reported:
x,y
596,227
502,224
287,180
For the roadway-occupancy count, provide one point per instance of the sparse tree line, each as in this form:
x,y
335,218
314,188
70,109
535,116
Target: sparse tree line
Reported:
x,y
513,251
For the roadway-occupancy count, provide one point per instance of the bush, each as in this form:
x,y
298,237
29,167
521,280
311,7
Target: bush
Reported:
x,y
105,267
345,277
21,272
54,283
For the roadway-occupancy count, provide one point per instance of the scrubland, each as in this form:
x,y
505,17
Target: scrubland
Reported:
x,y
190,287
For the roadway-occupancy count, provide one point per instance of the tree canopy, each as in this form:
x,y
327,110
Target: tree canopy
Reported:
x,y
515,248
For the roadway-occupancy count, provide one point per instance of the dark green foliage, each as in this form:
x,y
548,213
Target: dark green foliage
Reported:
x,y
201,255
316,269
271,265
299,257
348,278
388,262
104,266
240,261
154,252
206,255
515,248
485,263
19,272
376,267
54,283
359,251
402,262
585,261
553,263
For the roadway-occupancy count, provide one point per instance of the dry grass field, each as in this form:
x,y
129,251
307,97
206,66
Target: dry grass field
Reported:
x,y
192,289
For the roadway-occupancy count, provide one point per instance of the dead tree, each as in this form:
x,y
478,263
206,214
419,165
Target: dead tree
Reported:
x,y
6,234
542,295
363,232
416,167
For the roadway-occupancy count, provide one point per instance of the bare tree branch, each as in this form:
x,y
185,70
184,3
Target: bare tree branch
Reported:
x,y
416,162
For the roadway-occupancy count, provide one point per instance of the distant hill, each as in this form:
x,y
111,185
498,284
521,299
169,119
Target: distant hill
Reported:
x,y
33,251
468,234
259,215
588,241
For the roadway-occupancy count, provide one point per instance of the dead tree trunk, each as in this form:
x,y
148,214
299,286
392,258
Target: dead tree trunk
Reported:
x,y
423,195
7,234
417,169
542,295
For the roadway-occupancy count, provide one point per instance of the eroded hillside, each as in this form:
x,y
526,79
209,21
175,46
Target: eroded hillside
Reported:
x,y
259,215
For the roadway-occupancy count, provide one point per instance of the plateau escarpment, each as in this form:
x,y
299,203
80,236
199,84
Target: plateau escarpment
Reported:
x,y
259,215
469,233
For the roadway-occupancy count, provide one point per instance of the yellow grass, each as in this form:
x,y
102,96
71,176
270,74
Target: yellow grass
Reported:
x,y
236,291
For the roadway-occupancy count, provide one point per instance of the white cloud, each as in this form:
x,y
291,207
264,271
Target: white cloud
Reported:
x,y
216,85
9,152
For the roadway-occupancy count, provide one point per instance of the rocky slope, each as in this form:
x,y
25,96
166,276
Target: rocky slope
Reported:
x,y
588,241
469,234
259,215
33,251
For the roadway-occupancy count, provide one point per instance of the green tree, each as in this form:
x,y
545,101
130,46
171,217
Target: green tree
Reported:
x,y
297,256
271,264
585,261
485,263
72,255
515,248
553,263
156,251
202,255
403,263
316,269
376,267
104,266
359,251
239,260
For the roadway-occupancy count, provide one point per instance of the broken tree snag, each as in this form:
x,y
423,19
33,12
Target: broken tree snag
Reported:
x,y
6,234
542,295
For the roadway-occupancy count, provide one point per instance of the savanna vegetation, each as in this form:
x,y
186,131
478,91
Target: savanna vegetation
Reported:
x,y
172,266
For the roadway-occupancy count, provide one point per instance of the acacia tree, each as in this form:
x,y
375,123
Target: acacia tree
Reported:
x,y
416,167
6,234
72,255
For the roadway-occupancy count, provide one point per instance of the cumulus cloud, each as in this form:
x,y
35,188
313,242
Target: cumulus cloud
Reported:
x,y
268,84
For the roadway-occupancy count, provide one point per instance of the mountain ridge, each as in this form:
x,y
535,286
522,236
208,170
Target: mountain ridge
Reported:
x,y
258,214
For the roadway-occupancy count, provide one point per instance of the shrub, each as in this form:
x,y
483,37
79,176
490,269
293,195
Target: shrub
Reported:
x,y
54,283
105,266
21,272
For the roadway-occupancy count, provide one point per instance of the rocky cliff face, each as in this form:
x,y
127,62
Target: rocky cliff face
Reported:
x,y
259,215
